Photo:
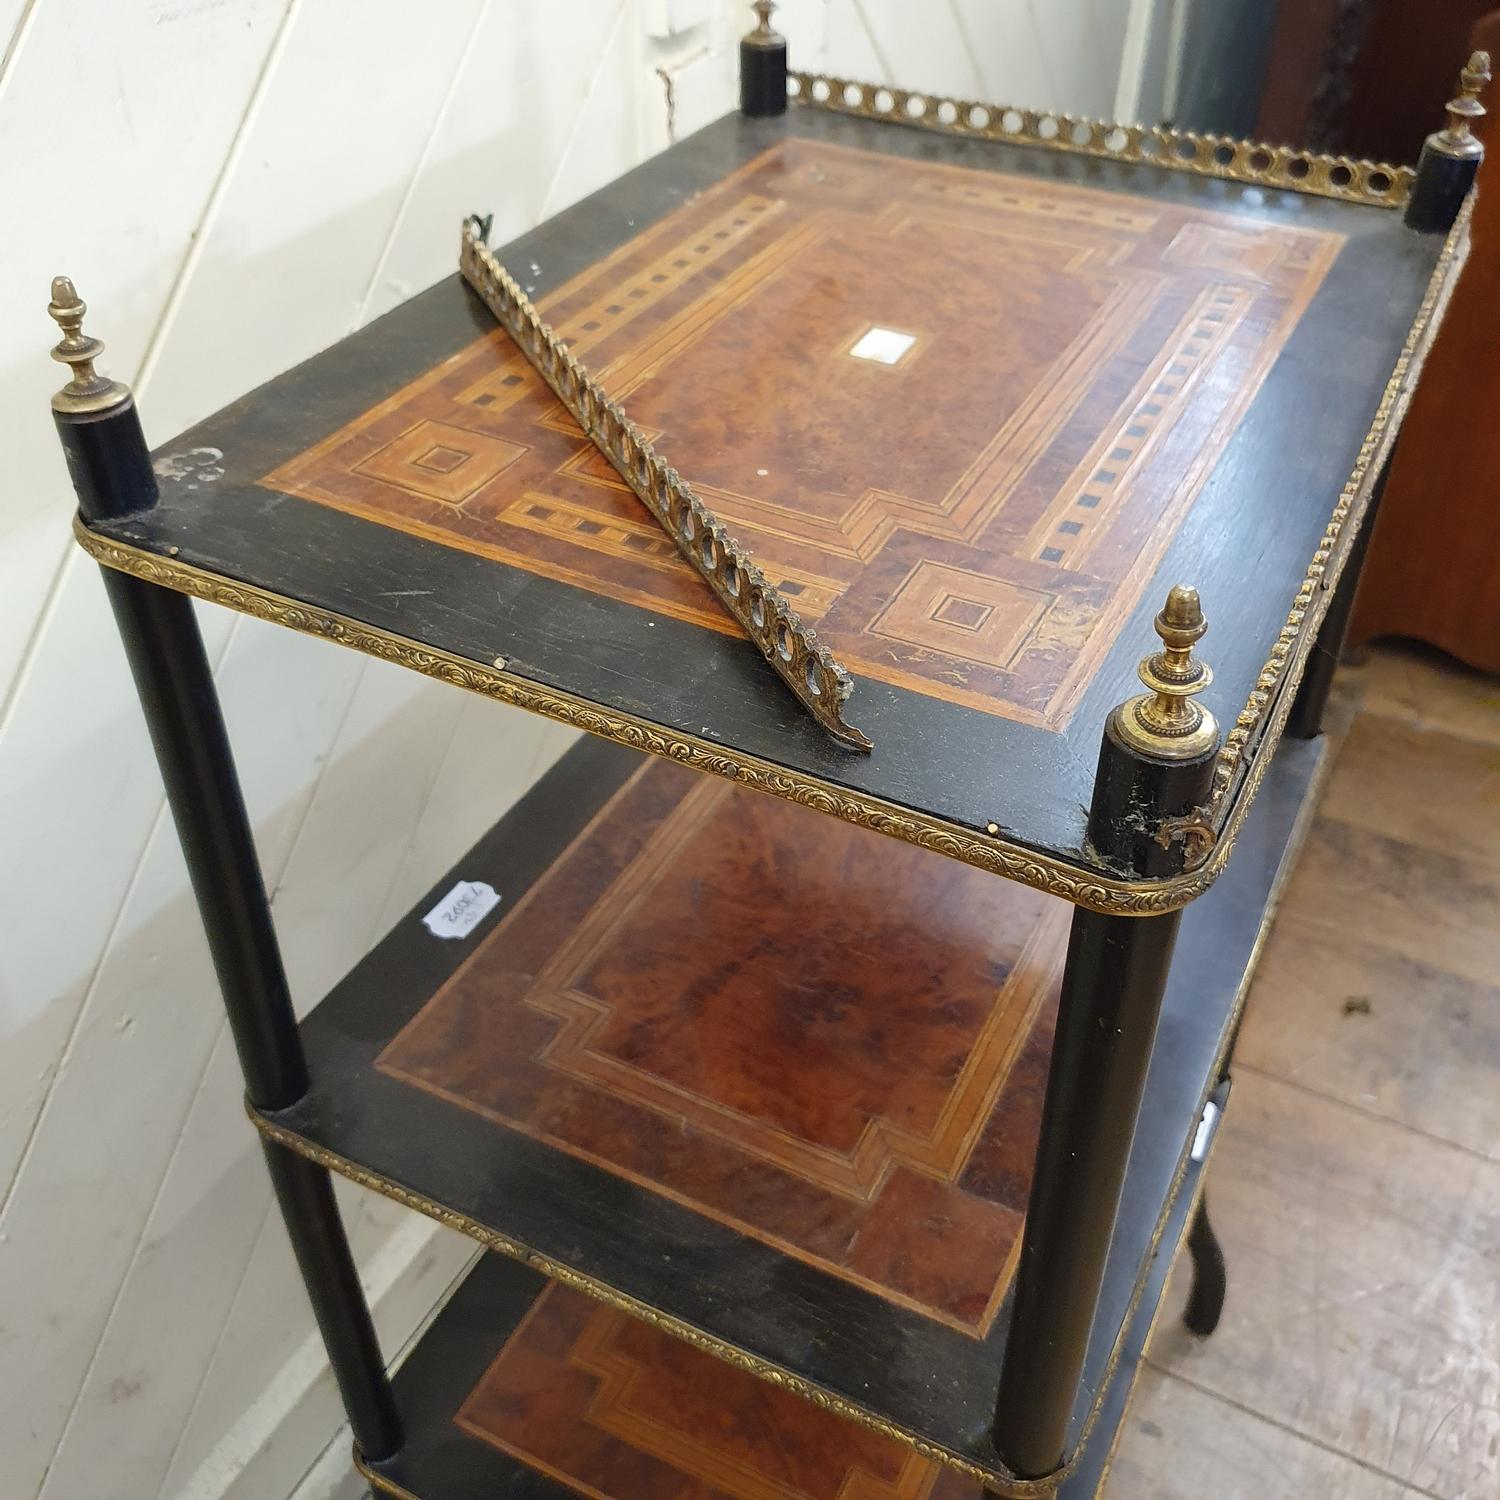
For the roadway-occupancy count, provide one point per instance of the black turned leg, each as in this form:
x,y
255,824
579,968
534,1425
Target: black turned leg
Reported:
x,y
305,1193
763,66
1451,156
1155,764
1205,1302
111,471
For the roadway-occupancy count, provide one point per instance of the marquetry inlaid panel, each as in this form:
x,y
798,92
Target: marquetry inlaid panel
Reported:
x,y
620,1411
832,1043
956,416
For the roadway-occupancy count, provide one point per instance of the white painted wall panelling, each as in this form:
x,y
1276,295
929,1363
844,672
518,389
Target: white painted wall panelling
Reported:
x,y
1045,54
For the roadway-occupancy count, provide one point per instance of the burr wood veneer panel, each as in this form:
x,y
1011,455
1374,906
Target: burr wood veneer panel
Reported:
x,y
618,1409
957,416
835,1045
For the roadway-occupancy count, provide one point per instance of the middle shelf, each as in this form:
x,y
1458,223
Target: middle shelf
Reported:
x,y
762,1078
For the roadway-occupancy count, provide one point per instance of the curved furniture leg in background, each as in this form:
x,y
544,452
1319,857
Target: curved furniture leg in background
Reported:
x,y
1205,1302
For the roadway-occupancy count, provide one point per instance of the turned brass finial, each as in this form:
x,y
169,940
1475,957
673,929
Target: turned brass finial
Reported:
x,y
1458,138
1166,722
764,35
87,390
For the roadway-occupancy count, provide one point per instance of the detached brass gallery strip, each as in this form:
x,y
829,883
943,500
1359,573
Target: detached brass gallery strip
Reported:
x,y
1344,177
819,682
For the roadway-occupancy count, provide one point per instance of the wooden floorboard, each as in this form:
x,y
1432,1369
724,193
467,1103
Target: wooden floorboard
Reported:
x,y
1421,686
1356,1186
1183,1444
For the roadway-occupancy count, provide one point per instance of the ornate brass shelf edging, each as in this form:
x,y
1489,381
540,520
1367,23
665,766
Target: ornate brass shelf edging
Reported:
x,y
1253,162
1284,666
773,1374
1081,887
1237,775
815,676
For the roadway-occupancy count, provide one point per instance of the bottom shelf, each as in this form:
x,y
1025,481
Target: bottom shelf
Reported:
x,y
527,1389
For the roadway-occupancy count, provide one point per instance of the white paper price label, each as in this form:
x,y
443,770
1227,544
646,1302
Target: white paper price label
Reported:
x,y
462,909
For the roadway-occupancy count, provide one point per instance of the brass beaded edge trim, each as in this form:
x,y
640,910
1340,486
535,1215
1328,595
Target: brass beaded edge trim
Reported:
x,y
1042,872
816,678
1284,666
1349,179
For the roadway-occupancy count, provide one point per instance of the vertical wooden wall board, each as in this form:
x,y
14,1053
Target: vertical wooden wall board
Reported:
x,y
151,1023
498,143
133,79
98,1152
319,183
923,45
174,1302
1004,40
81,794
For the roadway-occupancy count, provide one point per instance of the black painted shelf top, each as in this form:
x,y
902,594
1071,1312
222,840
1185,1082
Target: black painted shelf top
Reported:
x,y
551,1085
974,406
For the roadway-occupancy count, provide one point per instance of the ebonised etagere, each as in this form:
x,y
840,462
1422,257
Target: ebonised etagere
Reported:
x,y
900,1152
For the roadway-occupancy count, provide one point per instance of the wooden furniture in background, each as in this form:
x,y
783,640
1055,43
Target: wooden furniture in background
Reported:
x,y
1359,76
1434,565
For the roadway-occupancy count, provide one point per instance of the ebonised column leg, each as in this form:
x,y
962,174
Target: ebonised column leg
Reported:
x,y
1112,988
1205,1302
304,1192
1450,157
1155,764
763,66
111,471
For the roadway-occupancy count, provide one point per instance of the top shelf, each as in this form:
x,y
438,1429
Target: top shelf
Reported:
x,y
974,406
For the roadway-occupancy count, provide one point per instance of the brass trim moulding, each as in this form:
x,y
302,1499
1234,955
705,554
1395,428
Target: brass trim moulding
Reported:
x,y
1252,162
379,1482
1043,872
815,676
1283,669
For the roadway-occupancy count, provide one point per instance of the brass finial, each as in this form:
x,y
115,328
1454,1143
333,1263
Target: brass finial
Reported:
x,y
1166,722
1458,138
764,35
87,390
